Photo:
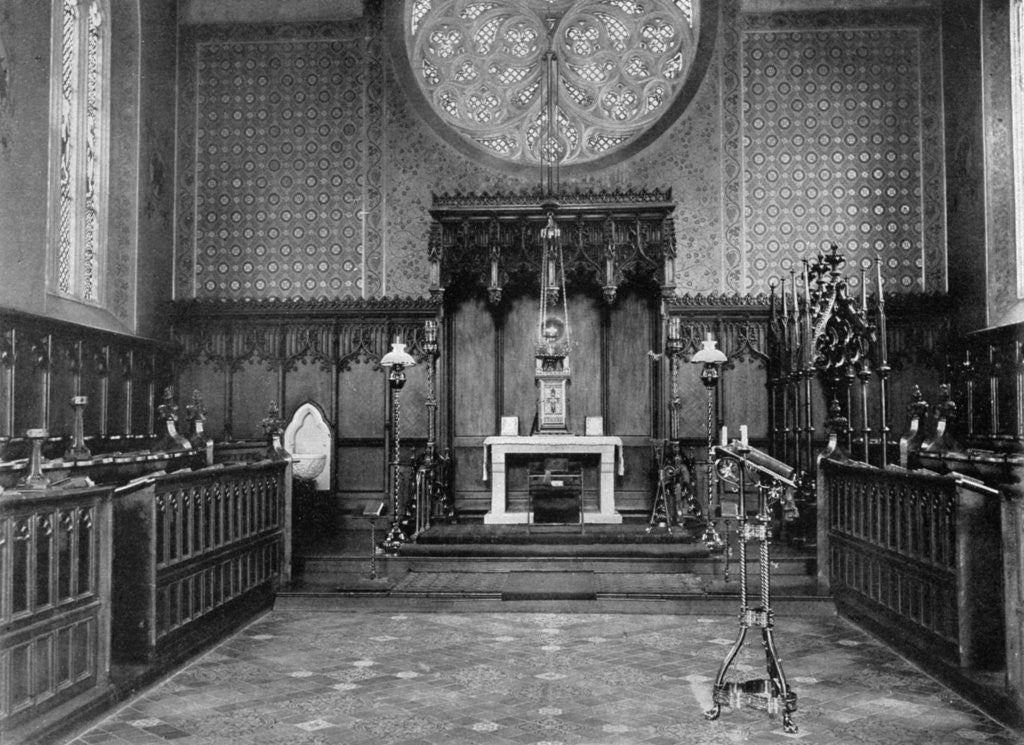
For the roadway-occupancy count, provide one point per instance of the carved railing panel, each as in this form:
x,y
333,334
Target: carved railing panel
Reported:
x,y
918,553
210,540
55,563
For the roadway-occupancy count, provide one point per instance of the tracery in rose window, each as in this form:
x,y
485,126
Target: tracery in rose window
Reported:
x,y
483,65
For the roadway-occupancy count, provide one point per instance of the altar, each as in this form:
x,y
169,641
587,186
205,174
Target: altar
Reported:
x,y
498,448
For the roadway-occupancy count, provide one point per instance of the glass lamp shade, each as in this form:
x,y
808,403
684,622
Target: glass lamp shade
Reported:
x,y
709,353
712,358
397,357
395,362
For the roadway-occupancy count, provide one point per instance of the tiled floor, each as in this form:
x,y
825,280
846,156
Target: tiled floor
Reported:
x,y
386,678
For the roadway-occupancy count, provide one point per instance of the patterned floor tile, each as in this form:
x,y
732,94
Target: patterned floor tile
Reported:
x,y
535,678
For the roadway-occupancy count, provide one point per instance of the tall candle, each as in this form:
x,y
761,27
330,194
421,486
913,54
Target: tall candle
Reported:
x,y
863,290
782,291
796,300
807,311
878,267
494,272
723,439
743,435
675,329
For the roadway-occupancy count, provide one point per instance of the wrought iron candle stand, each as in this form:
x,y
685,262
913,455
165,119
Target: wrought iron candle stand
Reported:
x,y
775,483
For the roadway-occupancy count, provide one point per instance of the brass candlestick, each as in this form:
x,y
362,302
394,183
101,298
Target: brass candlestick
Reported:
x,y
77,449
35,479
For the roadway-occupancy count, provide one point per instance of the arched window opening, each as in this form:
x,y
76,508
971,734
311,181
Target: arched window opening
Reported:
x,y
78,150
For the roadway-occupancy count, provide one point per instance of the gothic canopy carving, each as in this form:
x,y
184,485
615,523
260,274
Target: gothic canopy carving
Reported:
x,y
493,242
611,74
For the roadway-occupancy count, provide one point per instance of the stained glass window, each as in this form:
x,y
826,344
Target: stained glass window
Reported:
x,y
620,64
80,72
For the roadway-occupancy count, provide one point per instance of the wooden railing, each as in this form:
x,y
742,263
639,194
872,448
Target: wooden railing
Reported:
x,y
55,558
194,548
916,555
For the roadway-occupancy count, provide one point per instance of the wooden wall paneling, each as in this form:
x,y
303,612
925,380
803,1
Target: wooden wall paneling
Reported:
x,y
362,392
472,391
413,407
630,373
64,378
7,338
118,379
473,494
585,360
255,385
208,378
744,397
310,368
1007,378
360,471
901,390
693,411
144,387
31,371
93,385
744,383
519,394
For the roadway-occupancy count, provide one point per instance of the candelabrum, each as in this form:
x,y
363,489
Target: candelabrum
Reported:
x,y
395,362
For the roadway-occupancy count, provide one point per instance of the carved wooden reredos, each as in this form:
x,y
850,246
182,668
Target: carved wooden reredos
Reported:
x,y
494,242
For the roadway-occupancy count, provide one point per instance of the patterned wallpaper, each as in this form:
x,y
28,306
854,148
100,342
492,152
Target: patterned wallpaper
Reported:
x,y
841,146
309,174
286,163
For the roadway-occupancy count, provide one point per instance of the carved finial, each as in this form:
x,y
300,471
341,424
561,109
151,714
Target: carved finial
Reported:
x,y
917,407
834,260
946,407
168,410
836,423
195,410
272,423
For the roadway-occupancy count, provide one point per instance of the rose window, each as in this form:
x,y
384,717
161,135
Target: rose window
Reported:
x,y
604,72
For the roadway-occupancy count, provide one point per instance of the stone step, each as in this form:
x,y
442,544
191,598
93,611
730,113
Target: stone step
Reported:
x,y
310,566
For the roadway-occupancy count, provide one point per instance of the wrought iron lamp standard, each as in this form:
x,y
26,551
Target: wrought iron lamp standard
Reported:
x,y
431,491
712,358
664,509
395,363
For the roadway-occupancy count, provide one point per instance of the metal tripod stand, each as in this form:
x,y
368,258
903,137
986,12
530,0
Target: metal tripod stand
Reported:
x,y
772,694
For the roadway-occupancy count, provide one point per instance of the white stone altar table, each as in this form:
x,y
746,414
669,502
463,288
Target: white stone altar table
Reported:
x,y
499,447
